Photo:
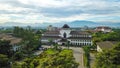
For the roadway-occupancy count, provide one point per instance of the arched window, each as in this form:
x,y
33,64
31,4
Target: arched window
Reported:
x,y
64,35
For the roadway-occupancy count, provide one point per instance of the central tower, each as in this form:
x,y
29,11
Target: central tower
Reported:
x,y
65,31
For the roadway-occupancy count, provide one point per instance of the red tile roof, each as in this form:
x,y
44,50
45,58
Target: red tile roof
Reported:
x,y
103,27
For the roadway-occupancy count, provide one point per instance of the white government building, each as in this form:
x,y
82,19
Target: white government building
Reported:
x,y
65,34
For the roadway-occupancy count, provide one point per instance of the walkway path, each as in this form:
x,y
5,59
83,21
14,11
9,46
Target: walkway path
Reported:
x,y
78,54
92,60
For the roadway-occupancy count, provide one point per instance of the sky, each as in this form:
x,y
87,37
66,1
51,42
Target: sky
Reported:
x,y
54,11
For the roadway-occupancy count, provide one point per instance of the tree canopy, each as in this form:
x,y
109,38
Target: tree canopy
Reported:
x,y
111,36
30,40
51,58
6,48
3,60
109,59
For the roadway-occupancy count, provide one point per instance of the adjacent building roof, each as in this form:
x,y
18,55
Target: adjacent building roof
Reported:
x,y
13,40
46,37
106,44
52,32
103,27
78,32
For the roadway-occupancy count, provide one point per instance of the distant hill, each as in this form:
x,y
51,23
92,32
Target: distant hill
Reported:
x,y
77,23
82,23
92,24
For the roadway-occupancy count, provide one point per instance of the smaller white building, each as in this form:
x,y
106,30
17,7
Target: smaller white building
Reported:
x,y
104,29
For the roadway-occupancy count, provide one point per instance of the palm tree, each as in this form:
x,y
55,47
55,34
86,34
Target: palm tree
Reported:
x,y
68,44
55,46
50,42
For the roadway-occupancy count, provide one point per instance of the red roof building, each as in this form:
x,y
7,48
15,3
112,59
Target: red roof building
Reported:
x,y
103,29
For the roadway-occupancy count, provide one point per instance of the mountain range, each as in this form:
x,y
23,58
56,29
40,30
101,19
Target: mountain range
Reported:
x,y
77,23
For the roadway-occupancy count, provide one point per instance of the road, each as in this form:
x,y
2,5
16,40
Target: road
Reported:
x,y
92,60
78,54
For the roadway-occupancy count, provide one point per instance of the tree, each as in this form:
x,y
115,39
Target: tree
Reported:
x,y
68,44
50,42
3,60
19,32
109,58
6,48
117,47
52,58
86,55
30,39
55,46
18,56
111,36
39,32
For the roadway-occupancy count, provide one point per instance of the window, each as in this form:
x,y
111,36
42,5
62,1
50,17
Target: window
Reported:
x,y
64,35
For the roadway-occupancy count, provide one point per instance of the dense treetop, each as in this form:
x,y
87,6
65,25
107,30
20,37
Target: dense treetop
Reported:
x,y
109,58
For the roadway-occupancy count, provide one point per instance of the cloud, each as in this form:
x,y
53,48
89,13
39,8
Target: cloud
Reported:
x,y
59,10
16,3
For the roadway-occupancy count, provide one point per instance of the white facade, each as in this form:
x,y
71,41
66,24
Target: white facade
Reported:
x,y
67,31
106,30
64,35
